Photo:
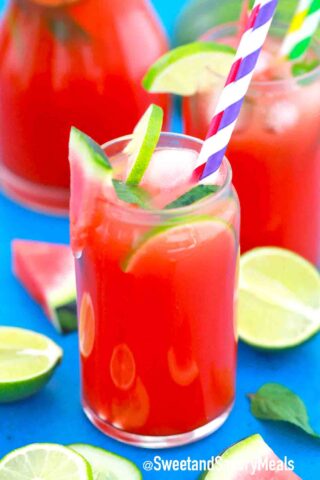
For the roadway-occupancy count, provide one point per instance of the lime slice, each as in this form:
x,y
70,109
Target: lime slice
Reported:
x,y
181,70
184,370
107,465
145,138
173,239
122,367
44,461
279,300
27,361
87,325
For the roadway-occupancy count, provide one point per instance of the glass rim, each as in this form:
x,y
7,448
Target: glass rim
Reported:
x,y
172,212
265,83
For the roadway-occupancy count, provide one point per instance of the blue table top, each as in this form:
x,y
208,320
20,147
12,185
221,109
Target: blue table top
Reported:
x,y
55,415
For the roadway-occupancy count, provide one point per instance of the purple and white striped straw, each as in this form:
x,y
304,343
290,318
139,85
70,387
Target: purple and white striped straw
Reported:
x,y
236,87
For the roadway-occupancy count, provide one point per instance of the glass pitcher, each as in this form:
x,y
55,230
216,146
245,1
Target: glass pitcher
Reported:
x,y
65,63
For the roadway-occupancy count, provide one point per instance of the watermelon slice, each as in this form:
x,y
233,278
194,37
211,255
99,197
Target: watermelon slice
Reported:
x,y
248,459
91,182
46,270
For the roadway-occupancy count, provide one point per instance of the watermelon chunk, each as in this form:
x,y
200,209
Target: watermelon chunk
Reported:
x,y
91,180
248,459
46,270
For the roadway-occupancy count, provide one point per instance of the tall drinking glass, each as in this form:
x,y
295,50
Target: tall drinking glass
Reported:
x,y
275,149
156,299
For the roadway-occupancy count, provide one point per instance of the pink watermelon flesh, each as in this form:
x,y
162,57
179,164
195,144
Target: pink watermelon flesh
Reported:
x,y
91,179
44,268
251,459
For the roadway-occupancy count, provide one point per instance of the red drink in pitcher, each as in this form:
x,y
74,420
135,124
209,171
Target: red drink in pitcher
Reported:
x,y
66,63
275,149
156,298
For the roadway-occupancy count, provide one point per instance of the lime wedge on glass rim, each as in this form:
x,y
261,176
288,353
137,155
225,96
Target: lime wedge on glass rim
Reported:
x,y
144,141
279,299
44,461
163,237
27,361
107,465
182,70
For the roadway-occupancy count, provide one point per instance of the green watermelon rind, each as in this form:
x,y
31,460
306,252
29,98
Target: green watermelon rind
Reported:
x,y
90,153
236,458
95,165
59,300
67,317
61,303
62,306
63,293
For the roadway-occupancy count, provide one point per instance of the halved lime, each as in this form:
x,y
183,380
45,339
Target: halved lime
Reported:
x,y
44,461
279,298
181,70
107,465
145,138
27,361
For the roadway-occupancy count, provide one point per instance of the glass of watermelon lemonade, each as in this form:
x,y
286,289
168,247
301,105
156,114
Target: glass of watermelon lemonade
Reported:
x,y
156,298
275,149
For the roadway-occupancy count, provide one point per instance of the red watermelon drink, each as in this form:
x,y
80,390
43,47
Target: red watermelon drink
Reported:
x,y
156,294
63,63
275,150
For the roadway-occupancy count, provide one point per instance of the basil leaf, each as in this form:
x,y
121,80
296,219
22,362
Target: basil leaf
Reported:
x,y
194,195
276,402
131,193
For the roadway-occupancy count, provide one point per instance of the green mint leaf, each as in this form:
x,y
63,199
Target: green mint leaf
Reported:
x,y
131,193
194,195
66,29
276,402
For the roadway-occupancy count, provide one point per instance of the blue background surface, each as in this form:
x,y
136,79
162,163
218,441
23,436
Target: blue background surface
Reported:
x,y
54,415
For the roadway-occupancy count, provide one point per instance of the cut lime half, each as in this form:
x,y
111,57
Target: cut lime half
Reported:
x,y
44,461
27,361
107,465
182,70
144,141
279,299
